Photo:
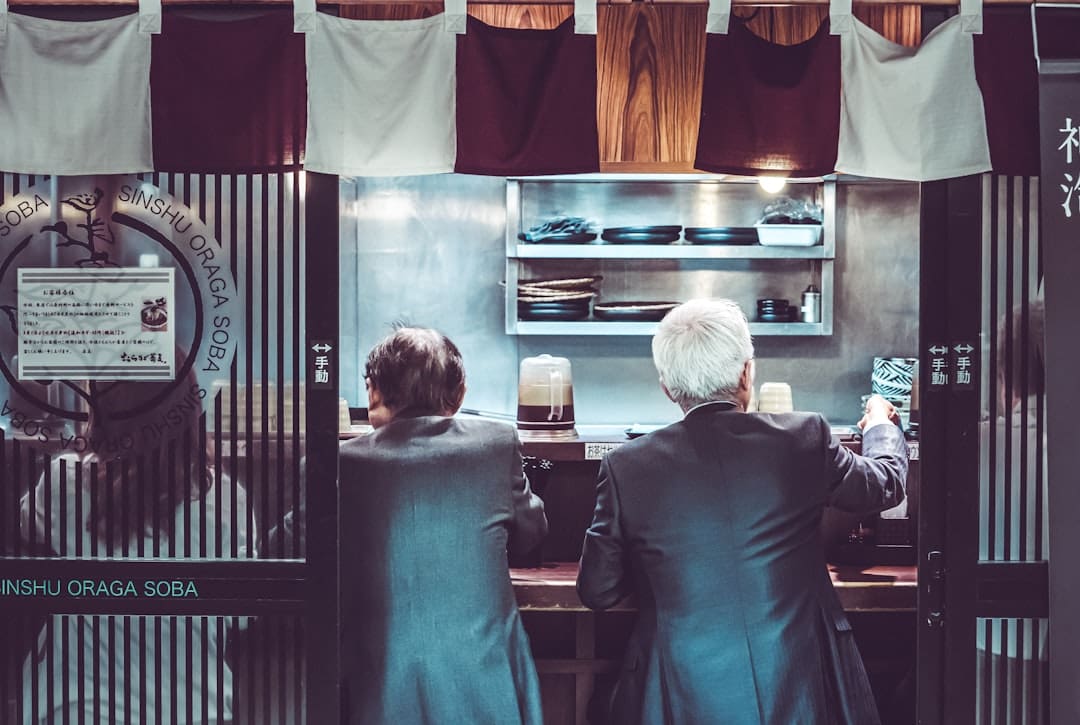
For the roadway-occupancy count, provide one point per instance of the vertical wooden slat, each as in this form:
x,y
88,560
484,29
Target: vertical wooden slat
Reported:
x,y
127,668
221,663
110,667
204,671
65,659
296,342
144,671
95,650
80,667
1009,361
35,703
280,480
1024,484
251,687
249,303
16,471
995,374
157,651
174,670
128,526
193,685
187,484
264,314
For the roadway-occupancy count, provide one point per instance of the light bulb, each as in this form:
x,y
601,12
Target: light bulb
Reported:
x,y
772,184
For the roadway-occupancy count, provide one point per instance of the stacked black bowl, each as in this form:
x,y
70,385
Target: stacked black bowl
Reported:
x,y
556,299
775,310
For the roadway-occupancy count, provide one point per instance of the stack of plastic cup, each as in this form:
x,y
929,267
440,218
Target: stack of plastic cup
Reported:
x,y
774,398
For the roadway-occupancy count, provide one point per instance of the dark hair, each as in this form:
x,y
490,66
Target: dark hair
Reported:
x,y
144,467
417,371
1021,360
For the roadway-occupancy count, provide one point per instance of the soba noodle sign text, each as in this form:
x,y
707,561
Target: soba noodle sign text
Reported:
x,y
100,588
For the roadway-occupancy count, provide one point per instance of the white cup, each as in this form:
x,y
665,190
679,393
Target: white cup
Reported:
x,y
774,398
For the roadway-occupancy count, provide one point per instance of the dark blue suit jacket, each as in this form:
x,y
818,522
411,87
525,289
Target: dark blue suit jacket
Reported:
x,y
430,627
713,523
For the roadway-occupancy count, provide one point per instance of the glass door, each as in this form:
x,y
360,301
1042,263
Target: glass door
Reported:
x,y
983,602
158,405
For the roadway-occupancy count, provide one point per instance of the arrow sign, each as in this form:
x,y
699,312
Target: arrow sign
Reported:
x,y
964,348
938,350
322,347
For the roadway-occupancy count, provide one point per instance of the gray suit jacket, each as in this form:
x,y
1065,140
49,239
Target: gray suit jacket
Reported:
x,y
713,523
430,628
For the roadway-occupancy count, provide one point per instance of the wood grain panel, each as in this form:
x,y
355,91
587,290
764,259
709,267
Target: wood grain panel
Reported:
x,y
649,71
539,17
388,11
789,25
533,16
899,23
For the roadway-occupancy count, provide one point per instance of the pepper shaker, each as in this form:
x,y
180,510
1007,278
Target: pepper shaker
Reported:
x,y
811,304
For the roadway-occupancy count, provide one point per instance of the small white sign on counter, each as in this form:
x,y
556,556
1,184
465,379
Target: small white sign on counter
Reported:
x,y
596,451
96,324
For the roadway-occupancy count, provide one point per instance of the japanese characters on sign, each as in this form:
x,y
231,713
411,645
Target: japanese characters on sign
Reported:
x,y
952,366
963,366
96,324
1071,187
937,364
320,364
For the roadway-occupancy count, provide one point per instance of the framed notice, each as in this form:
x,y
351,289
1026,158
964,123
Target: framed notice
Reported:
x,y
96,324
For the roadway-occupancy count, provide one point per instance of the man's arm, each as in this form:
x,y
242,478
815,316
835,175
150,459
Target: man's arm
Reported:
x,y
528,525
875,480
602,577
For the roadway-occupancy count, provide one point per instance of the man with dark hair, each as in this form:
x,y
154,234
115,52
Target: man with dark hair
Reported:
x,y
429,505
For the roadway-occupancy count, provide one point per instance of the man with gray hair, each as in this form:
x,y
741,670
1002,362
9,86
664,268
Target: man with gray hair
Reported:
x,y
713,523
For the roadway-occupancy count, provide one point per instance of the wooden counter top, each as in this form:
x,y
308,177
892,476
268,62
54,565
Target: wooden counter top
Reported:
x,y
593,441
550,588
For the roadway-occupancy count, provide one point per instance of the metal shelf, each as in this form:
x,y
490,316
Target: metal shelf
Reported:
x,y
820,258
599,327
667,251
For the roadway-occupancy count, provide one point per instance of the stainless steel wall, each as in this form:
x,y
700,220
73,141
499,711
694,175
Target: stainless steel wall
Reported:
x,y
430,251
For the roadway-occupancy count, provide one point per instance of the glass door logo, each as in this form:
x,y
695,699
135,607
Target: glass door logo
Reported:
x,y
85,320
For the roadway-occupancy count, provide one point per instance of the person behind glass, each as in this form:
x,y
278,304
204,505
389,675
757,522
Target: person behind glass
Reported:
x,y
132,497
430,504
713,523
1016,650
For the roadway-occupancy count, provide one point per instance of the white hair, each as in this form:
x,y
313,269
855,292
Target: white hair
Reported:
x,y
700,350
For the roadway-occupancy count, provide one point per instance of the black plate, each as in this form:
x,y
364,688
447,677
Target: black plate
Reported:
x,y
652,229
552,314
721,235
615,237
612,312
774,317
558,238
555,305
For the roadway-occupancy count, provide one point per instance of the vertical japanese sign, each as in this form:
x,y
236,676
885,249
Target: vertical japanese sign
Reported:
x,y
963,366
937,364
96,324
1059,121
320,364
1059,238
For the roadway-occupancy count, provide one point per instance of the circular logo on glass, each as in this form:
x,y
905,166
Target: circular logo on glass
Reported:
x,y
118,314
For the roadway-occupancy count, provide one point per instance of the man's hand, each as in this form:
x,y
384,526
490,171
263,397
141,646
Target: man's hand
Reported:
x,y
878,410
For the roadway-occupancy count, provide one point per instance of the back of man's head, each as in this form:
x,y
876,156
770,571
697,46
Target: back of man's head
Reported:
x,y
700,350
418,371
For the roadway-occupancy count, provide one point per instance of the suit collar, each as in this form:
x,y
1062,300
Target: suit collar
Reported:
x,y
713,406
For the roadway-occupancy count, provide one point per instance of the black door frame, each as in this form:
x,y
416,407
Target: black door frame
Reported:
x,y
956,588
249,587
